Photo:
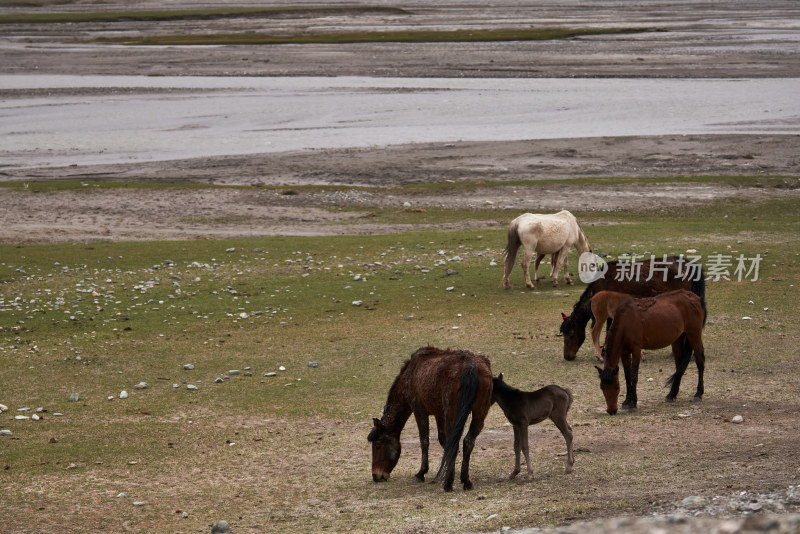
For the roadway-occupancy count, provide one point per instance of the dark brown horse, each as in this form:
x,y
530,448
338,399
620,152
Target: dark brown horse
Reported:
x,y
524,408
665,274
673,318
447,384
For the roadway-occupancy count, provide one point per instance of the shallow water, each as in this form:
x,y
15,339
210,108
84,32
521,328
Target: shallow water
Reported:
x,y
66,120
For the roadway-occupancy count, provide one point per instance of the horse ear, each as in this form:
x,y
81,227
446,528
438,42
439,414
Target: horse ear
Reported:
x,y
600,371
500,377
564,316
377,422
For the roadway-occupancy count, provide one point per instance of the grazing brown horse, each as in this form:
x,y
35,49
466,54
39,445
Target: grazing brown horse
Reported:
x,y
448,384
671,273
604,305
524,408
652,323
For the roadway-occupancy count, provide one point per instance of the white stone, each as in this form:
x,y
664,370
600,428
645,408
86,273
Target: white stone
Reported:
x,y
123,394
738,419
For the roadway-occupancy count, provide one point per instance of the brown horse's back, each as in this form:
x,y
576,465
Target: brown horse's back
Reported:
x,y
433,379
651,323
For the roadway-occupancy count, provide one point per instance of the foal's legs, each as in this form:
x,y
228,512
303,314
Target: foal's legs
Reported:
x,y
517,449
560,420
424,441
523,434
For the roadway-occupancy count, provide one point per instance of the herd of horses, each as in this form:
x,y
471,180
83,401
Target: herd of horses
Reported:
x,y
662,306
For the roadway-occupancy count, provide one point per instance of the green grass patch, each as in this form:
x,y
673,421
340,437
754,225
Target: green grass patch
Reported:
x,y
405,36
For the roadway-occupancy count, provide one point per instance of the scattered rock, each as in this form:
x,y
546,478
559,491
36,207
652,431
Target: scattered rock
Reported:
x,y
358,302
6,432
74,397
3,408
220,527
737,419
123,394
271,374
313,364
188,367
191,387
140,385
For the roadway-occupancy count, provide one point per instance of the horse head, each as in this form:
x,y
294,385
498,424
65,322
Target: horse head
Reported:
x,y
573,336
385,451
609,385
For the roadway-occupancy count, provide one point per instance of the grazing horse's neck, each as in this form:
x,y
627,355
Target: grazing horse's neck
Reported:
x,y
396,411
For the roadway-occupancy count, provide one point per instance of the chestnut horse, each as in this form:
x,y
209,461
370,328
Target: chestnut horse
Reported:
x,y
652,323
604,305
651,279
524,408
552,234
448,384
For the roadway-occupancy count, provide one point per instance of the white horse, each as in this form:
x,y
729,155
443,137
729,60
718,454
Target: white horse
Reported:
x,y
552,234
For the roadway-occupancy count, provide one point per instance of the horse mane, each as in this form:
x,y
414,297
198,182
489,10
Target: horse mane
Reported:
x,y
581,311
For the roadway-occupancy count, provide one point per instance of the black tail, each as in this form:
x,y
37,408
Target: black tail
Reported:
x,y
698,287
512,247
683,364
466,398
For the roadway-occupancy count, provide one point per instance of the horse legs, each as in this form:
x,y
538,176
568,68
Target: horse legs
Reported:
x,y
700,359
631,378
560,420
564,257
523,434
555,264
423,425
596,330
526,264
539,258
517,448
678,354
475,427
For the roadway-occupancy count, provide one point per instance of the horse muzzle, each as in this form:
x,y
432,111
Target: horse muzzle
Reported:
x,y
383,477
610,412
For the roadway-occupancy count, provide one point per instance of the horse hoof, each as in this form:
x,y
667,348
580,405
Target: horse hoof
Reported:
x,y
418,478
697,399
669,398
467,486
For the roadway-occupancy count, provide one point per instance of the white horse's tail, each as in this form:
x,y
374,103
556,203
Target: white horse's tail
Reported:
x,y
512,247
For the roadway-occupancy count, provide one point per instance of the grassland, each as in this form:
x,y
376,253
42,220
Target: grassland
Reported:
x,y
288,453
